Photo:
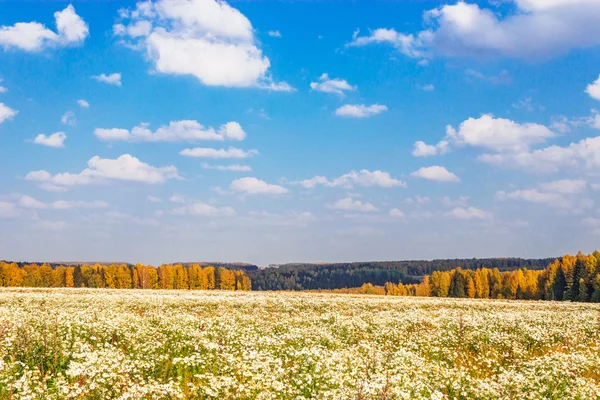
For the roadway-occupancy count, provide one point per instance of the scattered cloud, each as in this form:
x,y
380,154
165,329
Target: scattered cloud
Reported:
x,y
207,39
329,85
427,88
205,152
408,44
425,150
364,178
201,209
469,213
254,186
562,193
233,167
276,34
176,131
593,89
360,110
35,37
32,203
102,170
448,202
177,199
154,199
349,204
6,113
435,173
396,213
68,118
83,103
112,79
503,78
55,140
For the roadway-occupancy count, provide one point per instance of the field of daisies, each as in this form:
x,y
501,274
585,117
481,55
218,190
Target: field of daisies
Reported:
x,y
129,344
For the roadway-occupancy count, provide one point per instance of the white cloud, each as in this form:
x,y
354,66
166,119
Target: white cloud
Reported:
x,y
468,213
348,204
565,186
207,39
364,178
425,150
427,88
498,134
112,79
117,217
233,167
204,210
274,34
420,200
435,173
396,213
328,85
83,104
360,110
30,202
34,37
562,194
253,186
448,202
177,199
3,89
536,29
407,44
584,154
6,113
593,89
503,78
205,152
51,225
154,199
55,140
176,131
100,170
68,118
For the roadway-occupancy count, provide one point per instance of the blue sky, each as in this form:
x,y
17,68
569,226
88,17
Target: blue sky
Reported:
x,y
177,130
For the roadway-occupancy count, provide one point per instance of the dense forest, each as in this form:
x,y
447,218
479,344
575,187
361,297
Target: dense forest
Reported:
x,y
123,276
348,275
570,278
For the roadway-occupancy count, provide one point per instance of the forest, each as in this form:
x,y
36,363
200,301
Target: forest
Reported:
x,y
353,275
123,276
570,278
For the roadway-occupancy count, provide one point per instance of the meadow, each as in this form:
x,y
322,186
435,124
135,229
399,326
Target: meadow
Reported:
x,y
152,344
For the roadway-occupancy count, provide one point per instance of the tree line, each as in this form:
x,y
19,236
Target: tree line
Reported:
x,y
570,278
353,275
124,276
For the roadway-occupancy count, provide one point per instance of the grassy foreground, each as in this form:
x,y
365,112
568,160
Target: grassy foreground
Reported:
x,y
103,344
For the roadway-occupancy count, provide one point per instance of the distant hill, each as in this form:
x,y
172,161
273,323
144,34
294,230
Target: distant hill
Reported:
x,y
312,276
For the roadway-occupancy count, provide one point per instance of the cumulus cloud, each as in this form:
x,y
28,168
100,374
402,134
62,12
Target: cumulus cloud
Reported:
x,y
536,29
102,170
55,140
254,186
83,103
176,131
468,213
593,89
154,199
425,150
448,202
364,178
9,210
112,79
68,118
562,193
34,37
360,110
233,167
231,152
396,213
6,113
276,34
435,173
207,39
349,204
329,85
584,154
201,209
32,203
